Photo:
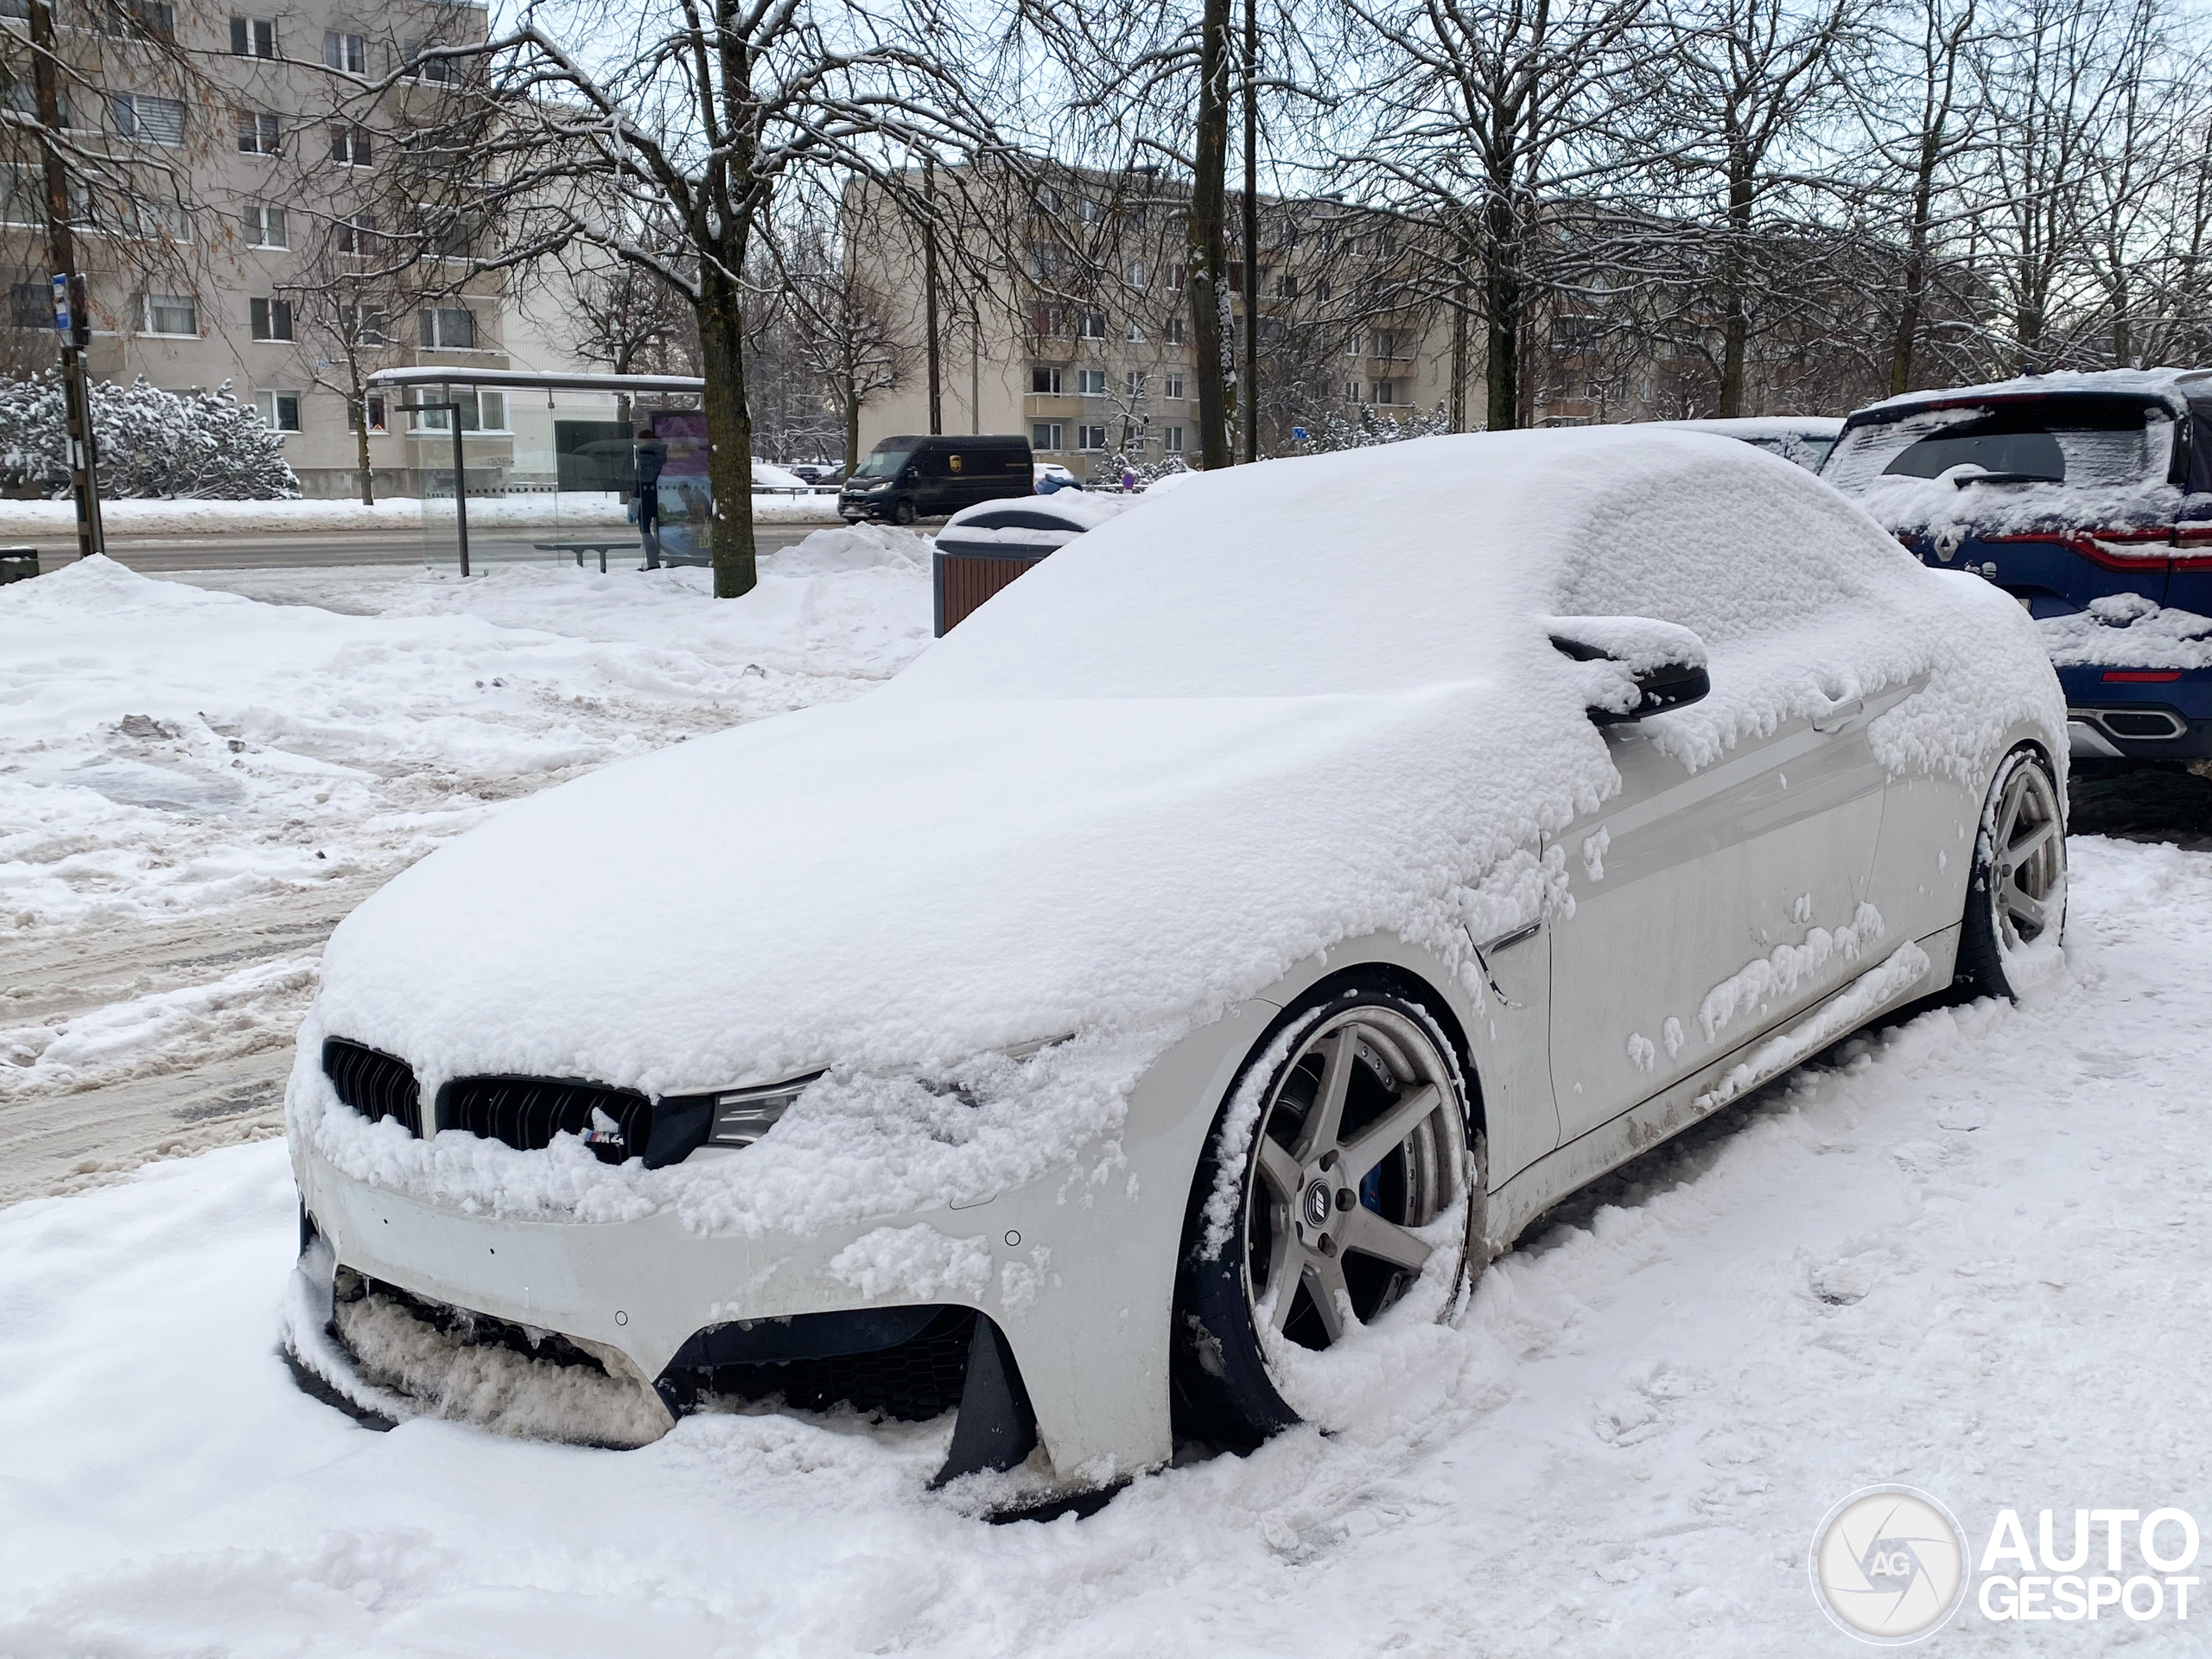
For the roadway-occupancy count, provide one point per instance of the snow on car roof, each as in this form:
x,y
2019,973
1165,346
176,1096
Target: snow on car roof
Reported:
x,y
1079,509
1284,706
2174,387
1763,426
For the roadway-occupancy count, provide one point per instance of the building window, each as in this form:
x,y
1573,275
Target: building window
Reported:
x,y
155,120
356,235
1386,391
1286,285
1044,380
348,54
1090,438
266,226
1137,273
279,411
1386,342
1090,382
351,146
253,37
1171,384
1046,435
1171,439
446,233
272,319
1351,391
448,328
1136,379
30,305
1046,322
1173,333
259,134
1094,325
1089,212
172,314
154,19
1321,289
371,327
485,412
436,72
377,417
1176,275
1135,332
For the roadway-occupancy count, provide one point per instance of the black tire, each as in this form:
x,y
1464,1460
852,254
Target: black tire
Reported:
x,y
1242,1228
903,513
2017,893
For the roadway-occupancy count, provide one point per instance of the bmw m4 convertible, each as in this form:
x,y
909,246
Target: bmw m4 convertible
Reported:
x,y
1194,969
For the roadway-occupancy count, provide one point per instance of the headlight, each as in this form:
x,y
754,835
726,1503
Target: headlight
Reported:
x,y
743,1115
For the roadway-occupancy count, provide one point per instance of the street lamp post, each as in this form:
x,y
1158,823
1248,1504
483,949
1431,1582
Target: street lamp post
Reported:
x,y
71,316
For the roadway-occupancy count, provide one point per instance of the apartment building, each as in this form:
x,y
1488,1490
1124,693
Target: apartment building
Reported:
x,y
257,216
1067,318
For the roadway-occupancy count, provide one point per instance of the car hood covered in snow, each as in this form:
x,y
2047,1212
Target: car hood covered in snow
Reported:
x,y
1284,706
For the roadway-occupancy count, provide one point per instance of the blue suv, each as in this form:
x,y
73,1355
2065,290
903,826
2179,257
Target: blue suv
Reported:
x,y
2087,497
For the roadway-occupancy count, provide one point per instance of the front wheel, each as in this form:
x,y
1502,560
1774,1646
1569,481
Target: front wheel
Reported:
x,y
903,513
2015,899
1339,1180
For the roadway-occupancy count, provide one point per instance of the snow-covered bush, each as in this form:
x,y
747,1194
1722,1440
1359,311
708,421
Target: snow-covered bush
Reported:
x,y
202,444
1336,431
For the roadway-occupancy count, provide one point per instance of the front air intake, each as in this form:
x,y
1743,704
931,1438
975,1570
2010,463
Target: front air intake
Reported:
x,y
526,1112
377,1085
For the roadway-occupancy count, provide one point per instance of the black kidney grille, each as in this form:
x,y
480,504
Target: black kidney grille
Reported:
x,y
528,1112
374,1085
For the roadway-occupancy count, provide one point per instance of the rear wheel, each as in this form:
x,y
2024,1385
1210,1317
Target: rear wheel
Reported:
x,y
1336,1185
2016,901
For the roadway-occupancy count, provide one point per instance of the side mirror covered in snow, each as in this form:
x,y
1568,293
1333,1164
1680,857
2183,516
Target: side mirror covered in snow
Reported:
x,y
1660,665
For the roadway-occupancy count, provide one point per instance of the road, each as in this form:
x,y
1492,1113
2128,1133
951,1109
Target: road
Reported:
x,y
230,551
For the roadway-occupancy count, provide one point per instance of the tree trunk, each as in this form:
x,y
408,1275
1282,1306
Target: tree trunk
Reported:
x,y
729,432
1248,392
852,430
1504,300
1460,346
1209,257
1736,333
1904,345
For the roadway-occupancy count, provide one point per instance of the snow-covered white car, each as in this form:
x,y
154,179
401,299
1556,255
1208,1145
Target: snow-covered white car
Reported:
x,y
1148,1009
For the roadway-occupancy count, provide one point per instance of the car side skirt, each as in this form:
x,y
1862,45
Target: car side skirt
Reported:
x,y
1518,1201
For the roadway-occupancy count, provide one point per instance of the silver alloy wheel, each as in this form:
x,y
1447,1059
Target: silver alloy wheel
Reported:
x,y
2027,857
1362,1142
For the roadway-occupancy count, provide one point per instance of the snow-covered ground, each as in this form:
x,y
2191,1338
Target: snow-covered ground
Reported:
x,y
232,774
1966,1254
395,515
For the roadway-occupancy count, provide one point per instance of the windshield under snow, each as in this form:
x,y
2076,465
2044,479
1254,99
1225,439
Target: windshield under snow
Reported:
x,y
2012,464
2098,442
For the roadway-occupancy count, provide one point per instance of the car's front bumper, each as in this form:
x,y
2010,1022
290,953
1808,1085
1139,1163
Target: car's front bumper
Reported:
x,y
1080,1281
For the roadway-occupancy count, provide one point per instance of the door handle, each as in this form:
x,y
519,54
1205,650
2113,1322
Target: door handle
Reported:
x,y
1837,716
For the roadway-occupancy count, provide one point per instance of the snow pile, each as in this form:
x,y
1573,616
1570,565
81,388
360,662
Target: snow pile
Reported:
x,y
2128,631
1904,1266
1278,708
167,751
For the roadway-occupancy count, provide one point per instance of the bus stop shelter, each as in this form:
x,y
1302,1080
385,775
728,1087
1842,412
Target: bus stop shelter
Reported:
x,y
528,465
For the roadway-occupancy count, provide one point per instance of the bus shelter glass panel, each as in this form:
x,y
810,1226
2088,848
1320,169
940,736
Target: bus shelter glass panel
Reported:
x,y
546,477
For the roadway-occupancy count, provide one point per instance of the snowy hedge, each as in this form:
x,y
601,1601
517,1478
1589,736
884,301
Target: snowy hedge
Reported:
x,y
151,443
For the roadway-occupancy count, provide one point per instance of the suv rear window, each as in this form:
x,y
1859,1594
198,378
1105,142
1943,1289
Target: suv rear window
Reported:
x,y
2096,441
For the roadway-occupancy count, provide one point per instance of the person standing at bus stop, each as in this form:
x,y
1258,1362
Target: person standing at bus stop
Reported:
x,y
652,457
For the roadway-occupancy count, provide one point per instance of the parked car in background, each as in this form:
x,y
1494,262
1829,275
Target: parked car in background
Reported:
x,y
1166,994
778,480
2089,499
816,472
1050,475
1804,439
903,478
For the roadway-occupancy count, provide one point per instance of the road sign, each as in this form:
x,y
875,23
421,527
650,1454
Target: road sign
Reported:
x,y
61,304
1298,434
